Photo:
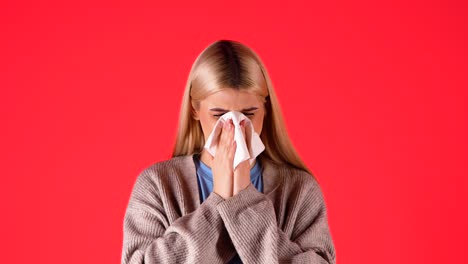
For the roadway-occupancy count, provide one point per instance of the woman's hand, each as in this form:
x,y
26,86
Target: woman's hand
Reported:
x,y
242,171
222,165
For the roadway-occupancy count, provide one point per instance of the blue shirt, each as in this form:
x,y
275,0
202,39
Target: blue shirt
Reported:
x,y
205,184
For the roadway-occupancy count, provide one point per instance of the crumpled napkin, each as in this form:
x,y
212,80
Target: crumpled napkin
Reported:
x,y
247,148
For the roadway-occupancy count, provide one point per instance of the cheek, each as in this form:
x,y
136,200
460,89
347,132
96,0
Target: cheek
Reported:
x,y
207,126
257,124
258,128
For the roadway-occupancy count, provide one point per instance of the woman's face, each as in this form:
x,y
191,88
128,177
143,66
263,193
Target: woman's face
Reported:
x,y
219,103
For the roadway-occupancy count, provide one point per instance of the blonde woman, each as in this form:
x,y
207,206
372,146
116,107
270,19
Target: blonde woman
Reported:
x,y
198,208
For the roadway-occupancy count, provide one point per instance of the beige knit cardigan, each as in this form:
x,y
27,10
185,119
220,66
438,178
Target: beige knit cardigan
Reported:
x,y
165,223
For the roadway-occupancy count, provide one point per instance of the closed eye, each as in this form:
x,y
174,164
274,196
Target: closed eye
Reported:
x,y
247,114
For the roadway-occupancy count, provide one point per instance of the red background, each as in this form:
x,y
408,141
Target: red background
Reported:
x,y
374,95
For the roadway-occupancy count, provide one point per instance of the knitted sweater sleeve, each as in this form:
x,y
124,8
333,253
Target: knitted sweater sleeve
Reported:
x,y
251,223
192,238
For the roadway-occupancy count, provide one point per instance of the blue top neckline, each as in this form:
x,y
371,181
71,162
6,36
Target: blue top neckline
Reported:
x,y
207,173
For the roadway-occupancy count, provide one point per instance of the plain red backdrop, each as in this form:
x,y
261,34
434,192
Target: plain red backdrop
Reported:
x,y
374,95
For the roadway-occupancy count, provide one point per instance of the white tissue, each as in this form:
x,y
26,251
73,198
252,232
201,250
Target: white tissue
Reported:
x,y
242,151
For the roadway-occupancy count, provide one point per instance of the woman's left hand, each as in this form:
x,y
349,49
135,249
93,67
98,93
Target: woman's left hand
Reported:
x,y
242,171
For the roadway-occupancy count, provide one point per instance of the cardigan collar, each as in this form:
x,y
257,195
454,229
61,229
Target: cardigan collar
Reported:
x,y
272,175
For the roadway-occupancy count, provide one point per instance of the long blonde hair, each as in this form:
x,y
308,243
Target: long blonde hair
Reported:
x,y
228,63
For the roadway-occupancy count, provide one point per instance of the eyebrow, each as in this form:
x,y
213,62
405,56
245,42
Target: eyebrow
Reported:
x,y
223,110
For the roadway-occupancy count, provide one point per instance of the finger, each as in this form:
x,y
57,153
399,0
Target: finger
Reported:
x,y
231,131
232,150
242,125
230,142
217,132
224,140
227,132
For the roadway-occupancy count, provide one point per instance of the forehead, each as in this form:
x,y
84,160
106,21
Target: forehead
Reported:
x,y
231,99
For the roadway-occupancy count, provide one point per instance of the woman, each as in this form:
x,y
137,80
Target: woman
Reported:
x,y
198,208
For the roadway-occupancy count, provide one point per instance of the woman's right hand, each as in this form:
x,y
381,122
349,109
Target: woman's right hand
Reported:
x,y
222,165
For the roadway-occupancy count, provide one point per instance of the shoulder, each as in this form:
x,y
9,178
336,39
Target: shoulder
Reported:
x,y
291,175
162,167
299,182
163,171
157,181
300,175
302,189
